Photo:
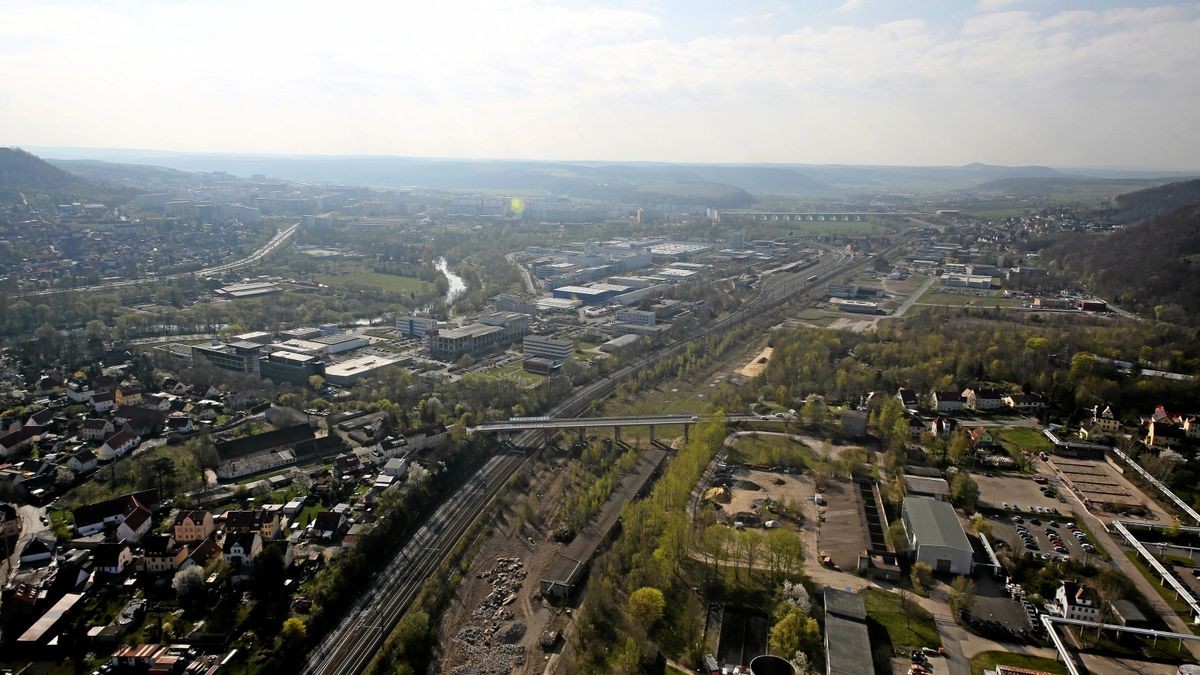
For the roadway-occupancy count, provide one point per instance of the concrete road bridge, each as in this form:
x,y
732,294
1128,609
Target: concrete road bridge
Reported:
x,y
516,425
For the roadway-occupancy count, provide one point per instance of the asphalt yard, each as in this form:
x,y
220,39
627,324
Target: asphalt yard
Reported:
x,y
998,490
843,535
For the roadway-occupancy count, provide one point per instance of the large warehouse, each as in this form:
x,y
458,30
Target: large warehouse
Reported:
x,y
935,535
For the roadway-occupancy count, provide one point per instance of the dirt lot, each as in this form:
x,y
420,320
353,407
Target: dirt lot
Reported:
x,y
1019,490
843,535
777,487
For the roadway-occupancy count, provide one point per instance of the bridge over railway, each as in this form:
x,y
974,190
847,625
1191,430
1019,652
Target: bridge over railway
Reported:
x,y
549,424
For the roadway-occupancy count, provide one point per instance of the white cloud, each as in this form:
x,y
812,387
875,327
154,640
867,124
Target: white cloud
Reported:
x,y
993,5
849,6
523,79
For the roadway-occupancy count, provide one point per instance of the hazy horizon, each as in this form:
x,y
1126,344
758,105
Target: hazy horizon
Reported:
x,y
845,82
128,155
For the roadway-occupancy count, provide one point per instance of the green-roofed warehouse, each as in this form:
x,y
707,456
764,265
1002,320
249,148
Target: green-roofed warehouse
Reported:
x,y
936,536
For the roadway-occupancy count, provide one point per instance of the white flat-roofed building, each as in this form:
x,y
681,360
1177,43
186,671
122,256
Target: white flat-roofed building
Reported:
x,y
631,282
305,347
249,290
679,250
342,342
554,349
676,274
261,337
351,370
966,281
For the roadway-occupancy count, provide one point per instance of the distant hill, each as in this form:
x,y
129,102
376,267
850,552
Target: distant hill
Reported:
x,y
1154,201
591,179
1152,268
1041,185
21,171
131,175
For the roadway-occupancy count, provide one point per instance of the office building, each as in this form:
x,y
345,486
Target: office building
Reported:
x,y
637,317
241,357
416,326
551,348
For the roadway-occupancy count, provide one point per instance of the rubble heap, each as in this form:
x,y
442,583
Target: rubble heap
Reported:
x,y
490,647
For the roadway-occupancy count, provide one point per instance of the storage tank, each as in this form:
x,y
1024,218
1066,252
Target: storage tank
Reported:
x,y
771,665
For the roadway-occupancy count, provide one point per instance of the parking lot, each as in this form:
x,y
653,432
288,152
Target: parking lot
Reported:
x,y
1004,530
995,491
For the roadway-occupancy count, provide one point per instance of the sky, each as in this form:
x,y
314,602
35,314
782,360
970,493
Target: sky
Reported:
x,y
1058,82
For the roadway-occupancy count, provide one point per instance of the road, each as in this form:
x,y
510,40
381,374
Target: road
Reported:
x,y
529,285
349,647
31,526
912,299
280,238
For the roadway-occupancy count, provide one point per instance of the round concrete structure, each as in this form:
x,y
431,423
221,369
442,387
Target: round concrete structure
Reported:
x,y
771,665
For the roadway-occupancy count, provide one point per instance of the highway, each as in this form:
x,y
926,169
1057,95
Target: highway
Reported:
x,y
349,647
280,238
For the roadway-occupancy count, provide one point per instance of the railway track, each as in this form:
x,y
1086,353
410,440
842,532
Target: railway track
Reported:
x,y
348,649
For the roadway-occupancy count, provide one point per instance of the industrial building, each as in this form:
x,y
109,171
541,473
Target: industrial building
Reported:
x,y
249,290
558,305
350,371
678,251
618,343
323,346
552,348
935,536
590,295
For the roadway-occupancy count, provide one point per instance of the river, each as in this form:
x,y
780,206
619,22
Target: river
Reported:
x,y
457,285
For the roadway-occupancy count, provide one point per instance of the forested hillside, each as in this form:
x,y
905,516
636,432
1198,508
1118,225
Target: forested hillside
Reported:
x,y
21,171
1156,201
1151,268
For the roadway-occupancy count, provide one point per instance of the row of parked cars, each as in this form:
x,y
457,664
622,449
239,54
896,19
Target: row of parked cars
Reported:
x,y
1052,535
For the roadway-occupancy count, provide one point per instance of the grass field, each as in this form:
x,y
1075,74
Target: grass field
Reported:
x,y
364,277
989,660
1015,439
516,373
933,296
773,450
905,632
